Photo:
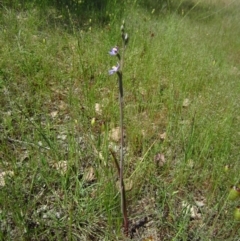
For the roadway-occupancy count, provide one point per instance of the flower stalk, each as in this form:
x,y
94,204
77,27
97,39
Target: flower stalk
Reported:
x,y
118,69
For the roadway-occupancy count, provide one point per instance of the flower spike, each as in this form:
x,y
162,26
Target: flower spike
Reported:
x,y
118,70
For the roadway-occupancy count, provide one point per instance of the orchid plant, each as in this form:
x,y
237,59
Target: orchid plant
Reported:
x,y
118,69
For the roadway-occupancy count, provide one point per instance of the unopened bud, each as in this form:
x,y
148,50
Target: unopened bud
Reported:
x,y
126,38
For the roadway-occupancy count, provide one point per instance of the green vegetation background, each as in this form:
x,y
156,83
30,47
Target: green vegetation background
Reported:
x,y
59,116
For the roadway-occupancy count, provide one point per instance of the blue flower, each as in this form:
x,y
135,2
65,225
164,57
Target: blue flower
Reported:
x,y
114,51
114,69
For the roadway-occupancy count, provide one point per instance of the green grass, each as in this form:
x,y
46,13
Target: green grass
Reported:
x,y
54,69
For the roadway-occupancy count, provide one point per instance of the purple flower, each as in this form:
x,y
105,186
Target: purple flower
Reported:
x,y
114,51
114,69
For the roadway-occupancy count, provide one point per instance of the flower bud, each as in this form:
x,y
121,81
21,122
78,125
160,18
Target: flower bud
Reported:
x,y
126,38
122,28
